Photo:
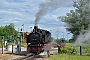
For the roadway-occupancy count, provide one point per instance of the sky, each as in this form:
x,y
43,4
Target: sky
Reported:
x,y
22,12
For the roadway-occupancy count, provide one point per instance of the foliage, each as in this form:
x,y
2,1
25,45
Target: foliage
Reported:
x,y
68,57
24,45
86,49
9,43
64,50
78,20
68,49
8,31
74,49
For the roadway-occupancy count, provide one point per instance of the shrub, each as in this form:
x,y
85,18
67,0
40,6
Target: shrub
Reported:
x,y
64,50
69,50
74,51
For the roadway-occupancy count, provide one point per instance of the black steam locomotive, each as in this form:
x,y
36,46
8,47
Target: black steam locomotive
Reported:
x,y
37,39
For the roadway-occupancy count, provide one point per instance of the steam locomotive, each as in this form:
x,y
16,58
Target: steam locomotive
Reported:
x,y
37,39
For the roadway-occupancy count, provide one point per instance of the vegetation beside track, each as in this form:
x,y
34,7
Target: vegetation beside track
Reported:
x,y
71,52
68,57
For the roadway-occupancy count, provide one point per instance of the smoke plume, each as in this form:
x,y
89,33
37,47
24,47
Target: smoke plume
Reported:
x,y
84,37
48,6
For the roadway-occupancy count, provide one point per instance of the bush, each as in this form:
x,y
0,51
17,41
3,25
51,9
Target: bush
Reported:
x,y
64,50
74,51
69,50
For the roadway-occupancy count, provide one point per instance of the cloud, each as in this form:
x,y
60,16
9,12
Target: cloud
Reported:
x,y
23,12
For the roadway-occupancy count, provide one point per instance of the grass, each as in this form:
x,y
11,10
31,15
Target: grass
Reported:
x,y
68,57
24,45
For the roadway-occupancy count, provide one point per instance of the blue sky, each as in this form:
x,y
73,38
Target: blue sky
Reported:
x,y
23,12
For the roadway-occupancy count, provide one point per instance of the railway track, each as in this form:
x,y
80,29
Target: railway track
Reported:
x,y
27,57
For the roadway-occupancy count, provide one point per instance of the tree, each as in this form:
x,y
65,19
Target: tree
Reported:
x,y
7,31
78,20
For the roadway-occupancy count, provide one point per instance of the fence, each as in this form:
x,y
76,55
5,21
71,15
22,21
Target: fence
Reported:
x,y
83,50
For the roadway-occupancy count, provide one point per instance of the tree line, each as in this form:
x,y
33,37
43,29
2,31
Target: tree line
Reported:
x,y
8,31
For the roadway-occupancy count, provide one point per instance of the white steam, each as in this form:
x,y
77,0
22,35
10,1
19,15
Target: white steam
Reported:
x,y
84,37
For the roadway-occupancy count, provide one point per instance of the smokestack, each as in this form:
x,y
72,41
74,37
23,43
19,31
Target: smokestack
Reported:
x,y
35,28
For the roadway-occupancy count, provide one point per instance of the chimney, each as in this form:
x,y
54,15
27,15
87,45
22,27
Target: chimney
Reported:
x,y
36,28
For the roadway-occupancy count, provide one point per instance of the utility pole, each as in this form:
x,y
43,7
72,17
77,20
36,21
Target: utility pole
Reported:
x,y
63,34
57,35
67,35
18,43
2,44
23,32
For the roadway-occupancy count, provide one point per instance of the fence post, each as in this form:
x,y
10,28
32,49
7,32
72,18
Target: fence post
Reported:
x,y
80,50
2,44
59,49
12,48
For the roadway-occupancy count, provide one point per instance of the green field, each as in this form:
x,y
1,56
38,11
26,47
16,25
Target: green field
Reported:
x,y
68,57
